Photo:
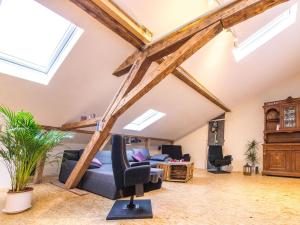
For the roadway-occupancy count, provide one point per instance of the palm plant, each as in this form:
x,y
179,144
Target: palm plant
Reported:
x,y
23,143
252,152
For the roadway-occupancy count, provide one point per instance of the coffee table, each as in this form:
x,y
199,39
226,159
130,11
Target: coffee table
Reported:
x,y
177,171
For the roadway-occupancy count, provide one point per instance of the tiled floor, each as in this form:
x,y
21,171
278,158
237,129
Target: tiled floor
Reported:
x,y
207,199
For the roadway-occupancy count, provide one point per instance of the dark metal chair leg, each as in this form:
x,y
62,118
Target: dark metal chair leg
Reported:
x,y
131,204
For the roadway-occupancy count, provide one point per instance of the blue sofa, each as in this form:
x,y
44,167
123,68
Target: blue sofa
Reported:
x,y
101,180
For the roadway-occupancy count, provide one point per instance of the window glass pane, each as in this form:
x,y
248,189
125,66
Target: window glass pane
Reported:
x,y
30,33
290,116
145,120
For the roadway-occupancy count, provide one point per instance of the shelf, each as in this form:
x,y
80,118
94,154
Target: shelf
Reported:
x,y
281,131
273,120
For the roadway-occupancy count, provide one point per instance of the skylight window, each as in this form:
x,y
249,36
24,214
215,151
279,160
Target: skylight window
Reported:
x,y
144,120
34,41
266,33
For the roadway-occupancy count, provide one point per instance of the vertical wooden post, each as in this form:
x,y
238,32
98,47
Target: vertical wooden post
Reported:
x,y
38,175
147,143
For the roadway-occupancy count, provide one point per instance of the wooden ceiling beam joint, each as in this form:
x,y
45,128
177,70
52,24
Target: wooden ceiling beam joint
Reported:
x,y
228,14
168,65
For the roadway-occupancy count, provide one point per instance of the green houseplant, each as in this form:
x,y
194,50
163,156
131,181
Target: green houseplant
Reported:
x,y
22,144
252,153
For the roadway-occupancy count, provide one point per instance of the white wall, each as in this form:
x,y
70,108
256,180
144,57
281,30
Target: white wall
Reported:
x,y
245,122
195,144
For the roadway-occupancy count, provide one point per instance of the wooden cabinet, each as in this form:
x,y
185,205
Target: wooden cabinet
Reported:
x,y
282,159
281,154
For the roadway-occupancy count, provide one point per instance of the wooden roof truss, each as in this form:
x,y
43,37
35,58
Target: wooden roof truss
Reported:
x,y
170,52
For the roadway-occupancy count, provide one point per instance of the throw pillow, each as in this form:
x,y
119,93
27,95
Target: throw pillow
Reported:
x,y
95,164
144,151
139,157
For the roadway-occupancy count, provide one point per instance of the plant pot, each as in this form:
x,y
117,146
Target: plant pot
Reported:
x,y
17,202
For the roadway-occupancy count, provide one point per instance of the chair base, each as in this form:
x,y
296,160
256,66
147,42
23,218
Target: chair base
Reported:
x,y
218,172
119,211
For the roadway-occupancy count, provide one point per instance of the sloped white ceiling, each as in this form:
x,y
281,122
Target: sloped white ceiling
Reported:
x,y
84,83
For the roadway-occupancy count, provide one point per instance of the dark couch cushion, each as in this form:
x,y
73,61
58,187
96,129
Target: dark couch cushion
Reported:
x,y
101,181
104,156
71,155
159,157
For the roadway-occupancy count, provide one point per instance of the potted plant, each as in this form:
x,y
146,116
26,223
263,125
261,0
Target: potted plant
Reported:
x,y
252,153
22,144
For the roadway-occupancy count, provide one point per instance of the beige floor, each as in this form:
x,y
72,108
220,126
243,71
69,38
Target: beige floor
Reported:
x,y
207,199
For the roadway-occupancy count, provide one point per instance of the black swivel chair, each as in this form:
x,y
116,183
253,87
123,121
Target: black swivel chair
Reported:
x,y
128,177
216,159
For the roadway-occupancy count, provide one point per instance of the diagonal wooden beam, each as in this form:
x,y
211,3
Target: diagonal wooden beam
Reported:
x,y
168,65
249,12
124,22
109,15
229,14
188,79
141,32
100,138
97,142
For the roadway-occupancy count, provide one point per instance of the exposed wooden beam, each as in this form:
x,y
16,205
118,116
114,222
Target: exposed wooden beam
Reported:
x,y
73,130
188,79
110,8
170,63
142,69
229,14
97,143
147,143
248,12
81,124
39,170
125,20
110,18
99,139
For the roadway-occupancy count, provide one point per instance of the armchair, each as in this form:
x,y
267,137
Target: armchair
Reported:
x,y
216,159
129,176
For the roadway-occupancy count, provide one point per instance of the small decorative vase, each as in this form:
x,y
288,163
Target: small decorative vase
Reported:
x,y
17,202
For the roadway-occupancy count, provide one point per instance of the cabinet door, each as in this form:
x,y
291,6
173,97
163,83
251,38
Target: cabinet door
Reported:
x,y
296,161
277,160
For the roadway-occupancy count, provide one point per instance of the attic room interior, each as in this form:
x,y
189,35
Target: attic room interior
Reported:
x,y
149,112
